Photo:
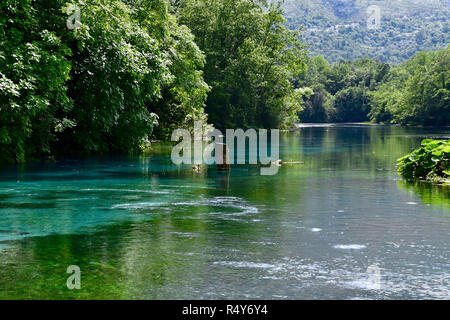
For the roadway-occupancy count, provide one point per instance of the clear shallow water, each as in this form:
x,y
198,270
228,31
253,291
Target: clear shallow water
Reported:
x,y
143,228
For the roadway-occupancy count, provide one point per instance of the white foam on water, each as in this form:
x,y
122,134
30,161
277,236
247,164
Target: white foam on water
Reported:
x,y
76,199
129,190
245,264
364,283
139,205
350,246
183,203
263,243
184,187
184,234
223,202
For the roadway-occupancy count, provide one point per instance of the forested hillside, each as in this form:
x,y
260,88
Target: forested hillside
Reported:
x,y
416,92
337,29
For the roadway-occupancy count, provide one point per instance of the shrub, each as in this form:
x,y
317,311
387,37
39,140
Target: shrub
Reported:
x,y
430,162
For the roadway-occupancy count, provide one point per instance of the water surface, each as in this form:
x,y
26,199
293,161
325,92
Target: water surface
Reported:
x,y
143,228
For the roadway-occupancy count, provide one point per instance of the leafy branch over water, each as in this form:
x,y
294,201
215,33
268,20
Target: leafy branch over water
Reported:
x,y
431,162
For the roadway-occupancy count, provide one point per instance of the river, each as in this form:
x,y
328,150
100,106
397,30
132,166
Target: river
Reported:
x,y
339,223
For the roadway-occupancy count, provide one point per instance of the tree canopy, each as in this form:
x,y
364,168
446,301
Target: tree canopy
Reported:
x,y
414,93
251,58
107,76
100,88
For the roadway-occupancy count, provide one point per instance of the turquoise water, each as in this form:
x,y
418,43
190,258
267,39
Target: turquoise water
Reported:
x,y
143,228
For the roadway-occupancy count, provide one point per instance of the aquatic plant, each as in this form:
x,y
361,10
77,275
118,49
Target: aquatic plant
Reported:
x,y
430,162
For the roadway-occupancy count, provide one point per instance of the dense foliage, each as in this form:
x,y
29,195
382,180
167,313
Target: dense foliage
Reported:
x,y
341,91
337,29
99,88
34,69
250,59
130,71
414,93
430,162
417,92
134,70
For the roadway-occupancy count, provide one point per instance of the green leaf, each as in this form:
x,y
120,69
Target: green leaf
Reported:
x,y
427,142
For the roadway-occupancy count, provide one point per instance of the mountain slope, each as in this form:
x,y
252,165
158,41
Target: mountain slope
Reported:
x,y
338,29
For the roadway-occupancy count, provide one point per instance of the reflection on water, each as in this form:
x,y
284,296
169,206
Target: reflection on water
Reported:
x,y
430,194
143,228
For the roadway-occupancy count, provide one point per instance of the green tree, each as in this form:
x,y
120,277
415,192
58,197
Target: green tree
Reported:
x,y
250,59
416,92
183,97
117,71
97,89
34,68
352,105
